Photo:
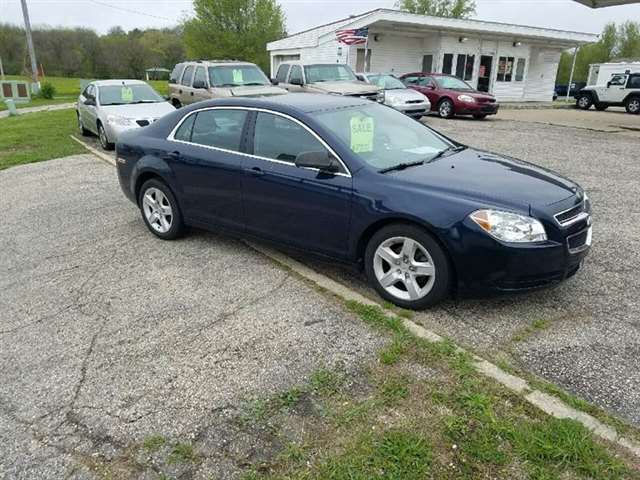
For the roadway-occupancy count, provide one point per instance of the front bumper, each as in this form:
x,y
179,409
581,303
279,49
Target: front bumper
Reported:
x,y
478,109
413,109
485,264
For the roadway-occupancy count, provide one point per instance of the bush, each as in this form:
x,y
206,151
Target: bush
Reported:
x,y
47,90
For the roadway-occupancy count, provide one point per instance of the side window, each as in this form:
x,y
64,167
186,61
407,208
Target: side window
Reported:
x,y
187,76
634,82
219,128
90,92
184,131
175,74
296,73
281,139
281,76
200,78
618,80
412,80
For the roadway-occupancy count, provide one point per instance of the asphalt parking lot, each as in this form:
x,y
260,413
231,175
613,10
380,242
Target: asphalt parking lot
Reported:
x,y
585,334
109,335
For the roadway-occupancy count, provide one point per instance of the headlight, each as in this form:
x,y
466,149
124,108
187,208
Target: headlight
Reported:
x,y
117,120
510,227
466,98
380,96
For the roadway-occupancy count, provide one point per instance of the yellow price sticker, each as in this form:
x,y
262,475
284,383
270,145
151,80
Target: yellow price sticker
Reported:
x,y
126,93
362,131
237,76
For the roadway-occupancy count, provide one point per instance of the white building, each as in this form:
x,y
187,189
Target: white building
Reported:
x,y
514,62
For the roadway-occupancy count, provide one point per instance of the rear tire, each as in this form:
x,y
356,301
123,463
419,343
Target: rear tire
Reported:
x,y
102,136
446,108
632,105
160,210
584,101
83,131
407,266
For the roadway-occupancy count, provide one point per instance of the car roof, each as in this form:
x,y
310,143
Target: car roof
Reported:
x,y
106,83
300,102
218,62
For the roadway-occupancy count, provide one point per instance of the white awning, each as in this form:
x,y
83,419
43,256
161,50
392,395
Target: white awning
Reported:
x,y
605,3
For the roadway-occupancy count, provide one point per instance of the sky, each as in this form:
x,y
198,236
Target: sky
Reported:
x,y
101,15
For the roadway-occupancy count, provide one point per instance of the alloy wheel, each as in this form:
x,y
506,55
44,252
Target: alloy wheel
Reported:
x,y
584,102
157,210
103,138
634,105
404,268
445,109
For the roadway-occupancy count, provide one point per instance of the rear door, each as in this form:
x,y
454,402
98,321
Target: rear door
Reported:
x,y
298,206
200,85
206,156
185,92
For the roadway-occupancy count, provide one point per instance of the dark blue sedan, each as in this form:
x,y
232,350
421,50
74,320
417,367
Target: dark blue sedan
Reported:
x,y
360,182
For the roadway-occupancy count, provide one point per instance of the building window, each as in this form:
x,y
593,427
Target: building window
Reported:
x,y
427,63
469,61
520,69
447,63
505,69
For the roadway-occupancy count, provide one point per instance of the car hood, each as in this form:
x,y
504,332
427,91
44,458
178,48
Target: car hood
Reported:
x,y
344,88
257,91
402,95
492,178
139,110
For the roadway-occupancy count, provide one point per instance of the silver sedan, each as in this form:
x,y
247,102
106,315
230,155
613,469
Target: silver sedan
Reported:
x,y
107,108
397,95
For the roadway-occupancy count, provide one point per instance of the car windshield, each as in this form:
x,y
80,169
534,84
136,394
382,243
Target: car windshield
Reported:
x,y
453,83
328,73
381,136
128,93
237,76
386,82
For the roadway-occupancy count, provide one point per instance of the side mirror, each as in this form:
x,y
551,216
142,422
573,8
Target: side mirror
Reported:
x,y
199,84
321,160
274,81
296,81
90,102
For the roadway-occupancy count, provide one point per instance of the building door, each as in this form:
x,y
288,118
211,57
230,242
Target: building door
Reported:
x,y
360,60
427,64
484,75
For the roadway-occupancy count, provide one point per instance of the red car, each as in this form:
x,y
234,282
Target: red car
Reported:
x,y
451,96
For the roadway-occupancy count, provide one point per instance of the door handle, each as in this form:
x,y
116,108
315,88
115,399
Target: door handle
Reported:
x,y
192,94
255,171
175,155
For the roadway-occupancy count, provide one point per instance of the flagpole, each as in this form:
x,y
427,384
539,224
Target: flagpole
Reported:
x,y
366,53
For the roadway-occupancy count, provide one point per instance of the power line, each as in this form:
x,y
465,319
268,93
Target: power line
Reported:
x,y
129,10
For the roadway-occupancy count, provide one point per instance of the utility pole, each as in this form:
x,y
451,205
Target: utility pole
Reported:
x,y
32,52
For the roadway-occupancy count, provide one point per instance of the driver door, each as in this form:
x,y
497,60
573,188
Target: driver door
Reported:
x,y
615,91
301,207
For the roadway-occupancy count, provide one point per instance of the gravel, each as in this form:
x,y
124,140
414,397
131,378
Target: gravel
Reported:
x,y
109,335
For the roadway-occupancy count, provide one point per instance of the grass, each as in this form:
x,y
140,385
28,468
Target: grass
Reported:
x,y
455,425
153,443
182,453
68,89
36,137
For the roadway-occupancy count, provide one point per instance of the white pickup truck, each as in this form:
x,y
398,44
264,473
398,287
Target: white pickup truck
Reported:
x,y
622,90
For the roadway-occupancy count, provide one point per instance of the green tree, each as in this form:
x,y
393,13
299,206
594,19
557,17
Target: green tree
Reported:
x,y
629,40
234,29
439,8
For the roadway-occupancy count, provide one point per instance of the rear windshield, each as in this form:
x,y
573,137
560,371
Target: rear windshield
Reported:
x,y
127,94
328,73
237,76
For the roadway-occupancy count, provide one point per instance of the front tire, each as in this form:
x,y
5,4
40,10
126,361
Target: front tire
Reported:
x,y
407,266
584,101
446,108
160,210
104,140
632,105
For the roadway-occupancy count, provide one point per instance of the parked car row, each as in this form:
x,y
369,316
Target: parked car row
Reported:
x,y
107,108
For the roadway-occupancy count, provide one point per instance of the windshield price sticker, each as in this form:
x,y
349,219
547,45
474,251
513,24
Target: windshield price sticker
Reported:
x,y
237,76
362,129
126,93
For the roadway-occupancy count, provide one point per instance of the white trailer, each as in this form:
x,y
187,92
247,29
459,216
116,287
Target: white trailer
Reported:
x,y
600,73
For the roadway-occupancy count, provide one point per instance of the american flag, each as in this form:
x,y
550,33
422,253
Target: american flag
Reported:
x,y
353,36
